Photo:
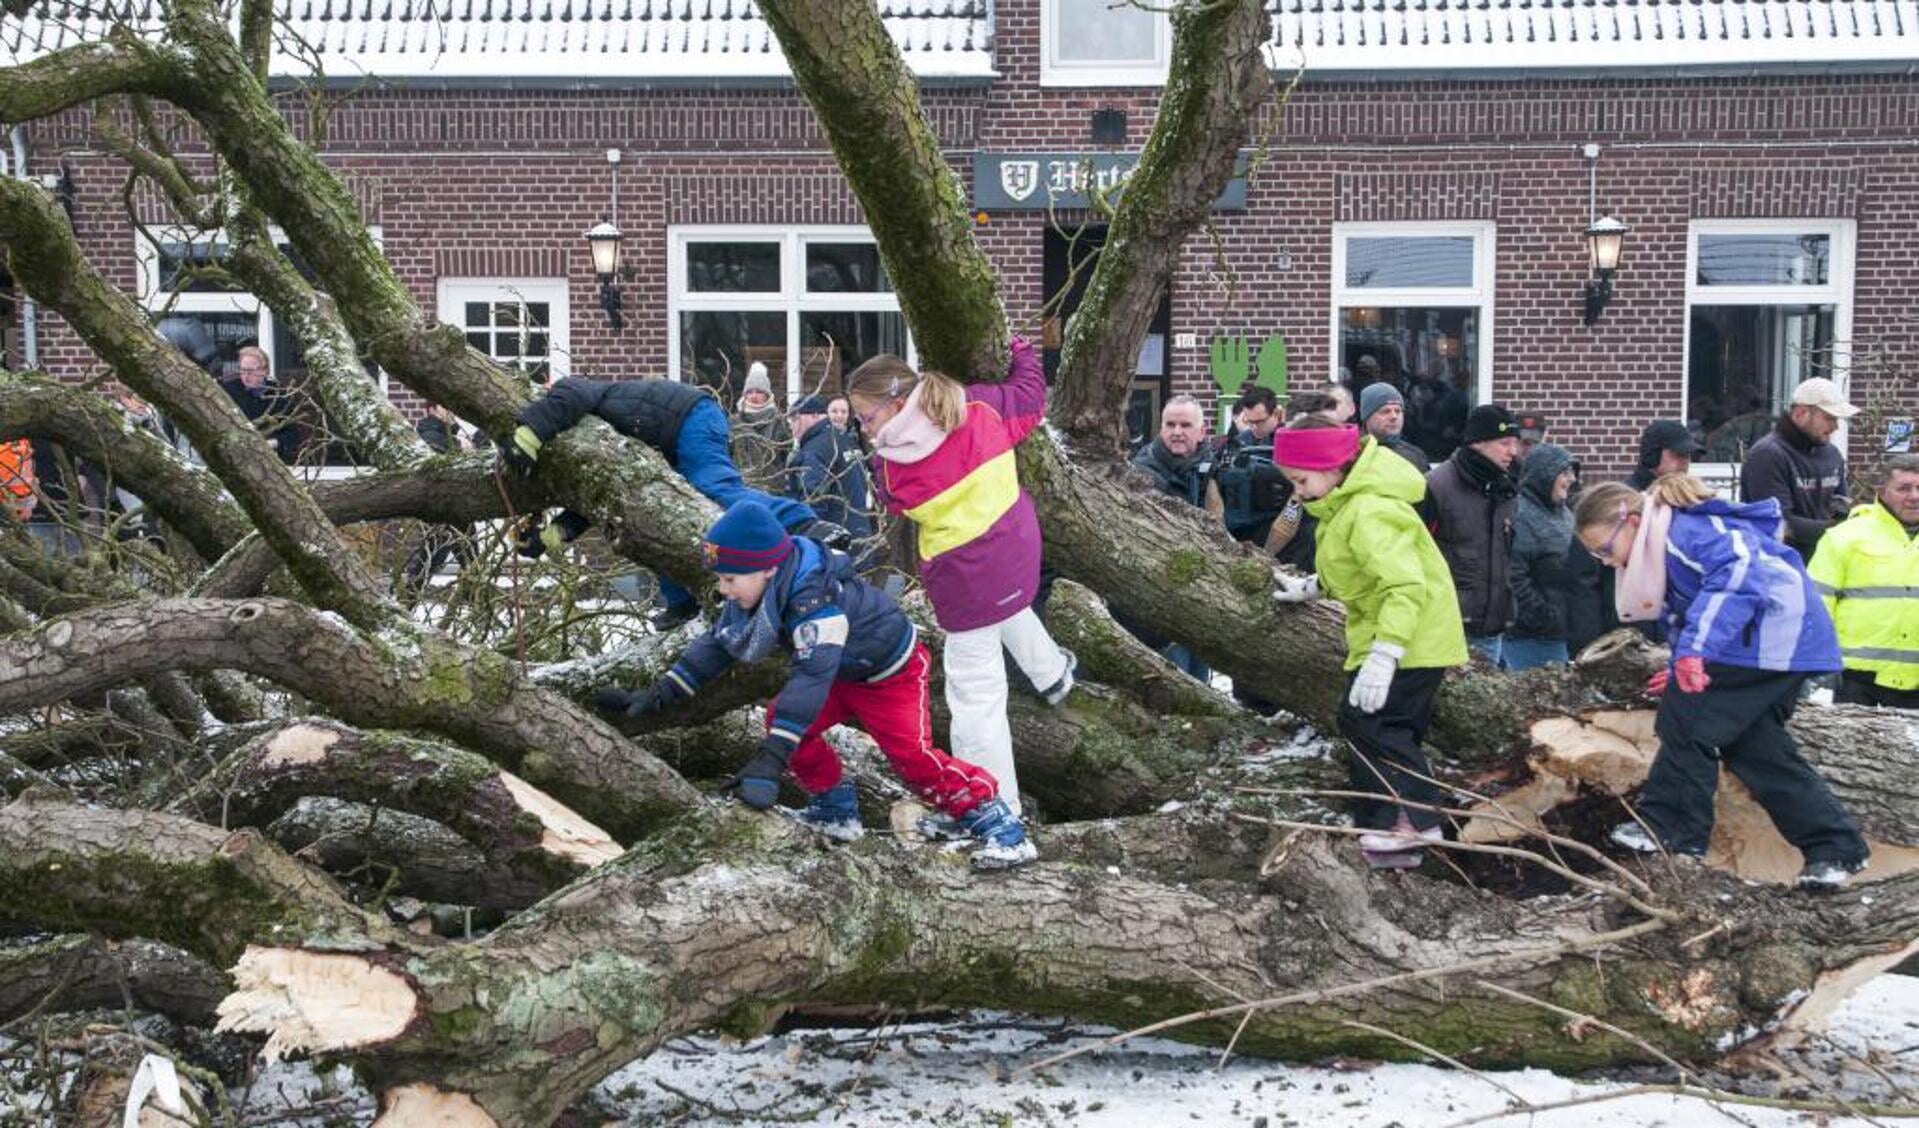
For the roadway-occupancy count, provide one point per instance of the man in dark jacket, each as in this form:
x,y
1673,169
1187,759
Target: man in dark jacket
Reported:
x,y
1471,499
682,422
253,391
1666,446
1542,583
1382,412
828,471
1798,464
1177,459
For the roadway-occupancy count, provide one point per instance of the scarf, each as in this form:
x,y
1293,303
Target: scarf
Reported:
x,y
911,435
1640,593
749,635
1484,473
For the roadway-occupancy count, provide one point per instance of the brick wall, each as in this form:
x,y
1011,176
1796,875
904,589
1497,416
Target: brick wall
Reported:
x,y
504,182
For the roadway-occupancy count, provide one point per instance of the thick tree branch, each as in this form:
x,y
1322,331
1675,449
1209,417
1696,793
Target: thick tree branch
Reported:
x,y
87,972
1218,79
404,679
76,75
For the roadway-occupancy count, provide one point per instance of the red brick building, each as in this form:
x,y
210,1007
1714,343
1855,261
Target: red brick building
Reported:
x,y
1417,206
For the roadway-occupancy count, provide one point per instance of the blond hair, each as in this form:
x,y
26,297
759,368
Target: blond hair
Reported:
x,y
886,378
1603,503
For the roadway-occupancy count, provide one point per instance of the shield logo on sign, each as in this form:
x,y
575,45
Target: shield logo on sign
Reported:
x,y
1019,178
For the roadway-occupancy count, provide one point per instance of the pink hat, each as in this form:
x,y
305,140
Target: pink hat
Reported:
x,y
1315,448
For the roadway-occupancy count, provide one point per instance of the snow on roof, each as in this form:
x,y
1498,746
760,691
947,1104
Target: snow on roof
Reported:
x,y
1400,36
532,40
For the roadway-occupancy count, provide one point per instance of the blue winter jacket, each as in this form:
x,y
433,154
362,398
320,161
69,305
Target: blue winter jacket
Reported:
x,y
836,626
1737,595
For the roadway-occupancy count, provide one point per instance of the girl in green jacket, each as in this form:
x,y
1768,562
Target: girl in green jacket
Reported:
x,y
1402,622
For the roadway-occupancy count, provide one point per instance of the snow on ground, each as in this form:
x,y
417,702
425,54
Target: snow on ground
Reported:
x,y
950,1074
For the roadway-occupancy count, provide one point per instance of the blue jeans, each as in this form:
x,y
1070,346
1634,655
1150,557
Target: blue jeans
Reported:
x,y
1527,653
703,455
1178,655
1492,647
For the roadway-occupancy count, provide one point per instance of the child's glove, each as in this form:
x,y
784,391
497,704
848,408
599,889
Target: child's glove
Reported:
x,y
519,452
537,537
1656,685
1690,673
621,703
1375,677
1296,589
758,784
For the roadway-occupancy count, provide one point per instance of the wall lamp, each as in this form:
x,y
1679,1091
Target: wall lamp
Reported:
x,y
603,241
1603,241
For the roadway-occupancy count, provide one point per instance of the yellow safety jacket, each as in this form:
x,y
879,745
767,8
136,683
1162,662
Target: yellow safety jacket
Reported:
x,y
1867,569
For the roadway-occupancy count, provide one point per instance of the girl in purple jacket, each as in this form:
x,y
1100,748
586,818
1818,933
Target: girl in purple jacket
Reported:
x,y
943,455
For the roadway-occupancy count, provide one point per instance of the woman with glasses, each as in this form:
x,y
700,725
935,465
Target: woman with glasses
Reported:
x,y
943,456
1747,627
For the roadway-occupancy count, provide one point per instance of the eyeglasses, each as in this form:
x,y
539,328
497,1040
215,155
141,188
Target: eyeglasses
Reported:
x,y
866,417
1603,553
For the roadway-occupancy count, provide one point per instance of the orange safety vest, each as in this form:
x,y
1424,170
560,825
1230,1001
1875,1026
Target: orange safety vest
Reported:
x,y
16,483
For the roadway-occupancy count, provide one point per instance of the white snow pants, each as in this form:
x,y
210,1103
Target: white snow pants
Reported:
x,y
976,690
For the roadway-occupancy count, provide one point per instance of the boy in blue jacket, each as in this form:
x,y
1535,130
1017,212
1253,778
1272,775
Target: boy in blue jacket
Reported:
x,y
855,657
1747,627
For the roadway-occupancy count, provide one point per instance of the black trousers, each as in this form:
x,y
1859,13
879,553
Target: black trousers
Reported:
x,y
1741,718
1386,746
1859,688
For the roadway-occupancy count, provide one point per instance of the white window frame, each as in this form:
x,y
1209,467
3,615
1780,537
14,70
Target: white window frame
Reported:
x,y
1837,292
791,298
1054,71
154,300
1480,295
453,291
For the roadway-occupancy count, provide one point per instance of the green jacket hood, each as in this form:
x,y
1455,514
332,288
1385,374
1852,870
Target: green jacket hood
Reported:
x,y
1378,471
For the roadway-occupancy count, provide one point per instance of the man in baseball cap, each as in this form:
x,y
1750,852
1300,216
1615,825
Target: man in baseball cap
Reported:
x,y
1532,432
1666,446
1798,464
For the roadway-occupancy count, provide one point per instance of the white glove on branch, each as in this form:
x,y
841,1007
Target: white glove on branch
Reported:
x,y
1296,589
1375,677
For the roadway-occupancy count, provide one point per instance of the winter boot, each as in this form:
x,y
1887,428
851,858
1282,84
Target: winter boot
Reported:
x,y
1635,838
942,828
835,813
1826,876
1002,838
668,616
827,533
1055,694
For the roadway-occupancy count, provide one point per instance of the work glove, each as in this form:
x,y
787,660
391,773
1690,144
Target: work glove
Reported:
x,y
1296,589
758,783
633,705
1690,673
1375,677
520,452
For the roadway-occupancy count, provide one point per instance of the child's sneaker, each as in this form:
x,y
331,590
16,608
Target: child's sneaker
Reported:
x,y
1003,841
1634,837
1055,694
1826,876
835,813
941,828
1401,837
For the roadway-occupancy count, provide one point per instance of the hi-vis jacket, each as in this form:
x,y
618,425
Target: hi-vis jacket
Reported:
x,y
978,535
1867,569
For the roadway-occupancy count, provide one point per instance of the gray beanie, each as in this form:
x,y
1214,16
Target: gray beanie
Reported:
x,y
756,380
1376,396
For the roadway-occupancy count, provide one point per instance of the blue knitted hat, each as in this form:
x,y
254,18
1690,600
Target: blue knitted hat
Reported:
x,y
747,538
1375,396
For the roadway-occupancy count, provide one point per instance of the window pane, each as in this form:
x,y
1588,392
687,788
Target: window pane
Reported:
x,y
506,346
1429,353
538,314
476,318
211,340
845,268
1409,262
833,344
536,344
506,315
178,259
1105,31
1764,260
737,268
1742,365
717,347
481,341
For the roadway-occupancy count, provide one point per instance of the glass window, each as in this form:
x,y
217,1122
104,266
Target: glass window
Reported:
x,y
1100,31
736,268
845,268
512,330
1764,260
833,343
1430,353
1409,263
718,346
1742,365
181,266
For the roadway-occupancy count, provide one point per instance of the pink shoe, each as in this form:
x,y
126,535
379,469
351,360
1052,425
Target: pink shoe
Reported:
x,y
1400,838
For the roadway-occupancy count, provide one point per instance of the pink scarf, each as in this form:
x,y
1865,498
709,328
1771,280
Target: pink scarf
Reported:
x,y
1639,592
911,435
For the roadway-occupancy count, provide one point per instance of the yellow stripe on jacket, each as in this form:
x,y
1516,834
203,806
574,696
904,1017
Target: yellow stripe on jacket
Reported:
x,y
966,509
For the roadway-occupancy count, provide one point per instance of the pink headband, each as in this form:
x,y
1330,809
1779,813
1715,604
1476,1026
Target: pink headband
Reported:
x,y
1315,448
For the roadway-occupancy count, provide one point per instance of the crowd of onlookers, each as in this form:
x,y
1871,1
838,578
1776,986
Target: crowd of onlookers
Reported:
x,y
1500,508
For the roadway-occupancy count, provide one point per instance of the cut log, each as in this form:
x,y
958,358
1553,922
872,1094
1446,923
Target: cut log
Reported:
x,y
317,1001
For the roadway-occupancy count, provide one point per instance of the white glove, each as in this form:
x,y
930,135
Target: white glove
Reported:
x,y
1375,677
1296,589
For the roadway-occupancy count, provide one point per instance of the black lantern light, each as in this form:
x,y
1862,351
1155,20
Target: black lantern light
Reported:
x,y
1604,240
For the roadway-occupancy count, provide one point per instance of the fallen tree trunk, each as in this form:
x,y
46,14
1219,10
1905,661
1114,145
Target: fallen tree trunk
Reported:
x,y
85,972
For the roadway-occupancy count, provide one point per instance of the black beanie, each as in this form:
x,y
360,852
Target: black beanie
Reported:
x,y
1490,421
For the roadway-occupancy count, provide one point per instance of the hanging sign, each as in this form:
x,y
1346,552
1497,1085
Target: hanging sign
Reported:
x,y
1039,181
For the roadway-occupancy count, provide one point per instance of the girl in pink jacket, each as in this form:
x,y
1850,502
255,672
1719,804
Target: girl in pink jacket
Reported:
x,y
943,456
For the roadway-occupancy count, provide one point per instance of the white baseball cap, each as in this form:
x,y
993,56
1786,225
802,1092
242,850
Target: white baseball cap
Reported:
x,y
1823,394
